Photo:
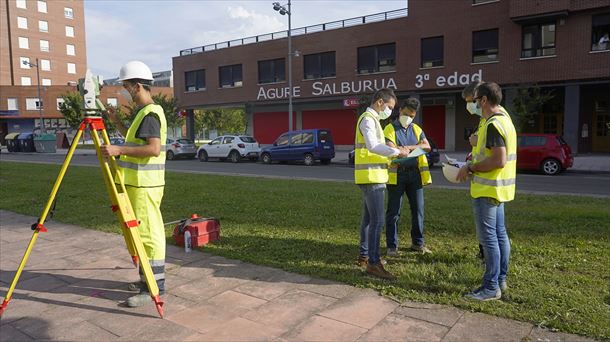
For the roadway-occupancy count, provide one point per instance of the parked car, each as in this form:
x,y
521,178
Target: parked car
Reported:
x,y
117,141
547,153
233,147
176,148
433,156
305,145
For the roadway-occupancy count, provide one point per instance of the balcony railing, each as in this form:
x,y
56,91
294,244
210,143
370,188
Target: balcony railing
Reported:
x,y
403,12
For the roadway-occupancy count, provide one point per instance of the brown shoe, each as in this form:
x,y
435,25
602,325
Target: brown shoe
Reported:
x,y
363,261
377,270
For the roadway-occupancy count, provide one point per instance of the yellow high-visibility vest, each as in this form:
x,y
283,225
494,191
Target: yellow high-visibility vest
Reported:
x,y
422,161
498,183
144,171
482,122
369,168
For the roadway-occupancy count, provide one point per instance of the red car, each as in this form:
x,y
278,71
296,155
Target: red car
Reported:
x,y
547,153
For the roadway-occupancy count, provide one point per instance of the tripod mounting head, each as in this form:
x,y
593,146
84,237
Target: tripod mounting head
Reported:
x,y
89,88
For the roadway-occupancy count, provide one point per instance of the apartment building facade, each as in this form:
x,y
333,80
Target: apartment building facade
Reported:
x,y
430,50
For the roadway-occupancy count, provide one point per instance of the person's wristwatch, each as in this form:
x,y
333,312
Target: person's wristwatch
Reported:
x,y
469,167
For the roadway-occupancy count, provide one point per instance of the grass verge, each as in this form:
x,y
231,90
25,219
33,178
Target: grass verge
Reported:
x,y
560,244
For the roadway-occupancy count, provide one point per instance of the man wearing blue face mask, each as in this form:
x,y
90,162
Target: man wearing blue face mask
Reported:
x,y
408,178
371,160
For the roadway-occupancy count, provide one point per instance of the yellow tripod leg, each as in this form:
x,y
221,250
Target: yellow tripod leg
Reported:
x,y
109,184
39,227
130,222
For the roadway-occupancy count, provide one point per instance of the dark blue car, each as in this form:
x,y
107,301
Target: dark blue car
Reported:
x,y
305,145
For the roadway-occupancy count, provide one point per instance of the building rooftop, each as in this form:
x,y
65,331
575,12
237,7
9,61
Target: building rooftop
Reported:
x,y
371,18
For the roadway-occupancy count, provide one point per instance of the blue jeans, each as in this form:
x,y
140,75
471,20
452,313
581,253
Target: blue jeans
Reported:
x,y
491,232
372,220
409,182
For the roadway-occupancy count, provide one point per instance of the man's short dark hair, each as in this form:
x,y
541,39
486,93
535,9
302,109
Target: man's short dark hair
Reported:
x,y
385,94
145,83
470,89
412,103
492,91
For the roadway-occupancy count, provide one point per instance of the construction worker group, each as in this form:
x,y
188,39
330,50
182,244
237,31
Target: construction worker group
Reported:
x,y
382,163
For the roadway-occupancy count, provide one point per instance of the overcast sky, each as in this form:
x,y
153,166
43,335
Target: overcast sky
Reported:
x,y
154,31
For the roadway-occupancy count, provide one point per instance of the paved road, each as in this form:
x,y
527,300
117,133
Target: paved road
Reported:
x,y
570,182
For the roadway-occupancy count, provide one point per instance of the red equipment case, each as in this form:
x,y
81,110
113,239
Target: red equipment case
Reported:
x,y
203,230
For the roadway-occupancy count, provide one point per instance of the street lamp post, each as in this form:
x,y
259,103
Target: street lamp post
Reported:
x,y
39,98
283,11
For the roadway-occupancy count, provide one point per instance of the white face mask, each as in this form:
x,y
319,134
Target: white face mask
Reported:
x,y
385,113
473,109
126,95
405,120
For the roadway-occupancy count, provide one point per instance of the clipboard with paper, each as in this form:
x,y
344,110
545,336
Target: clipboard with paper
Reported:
x,y
414,154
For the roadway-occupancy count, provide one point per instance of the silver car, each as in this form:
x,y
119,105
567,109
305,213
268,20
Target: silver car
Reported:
x,y
175,148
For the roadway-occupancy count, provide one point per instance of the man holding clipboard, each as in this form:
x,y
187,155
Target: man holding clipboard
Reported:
x,y
407,176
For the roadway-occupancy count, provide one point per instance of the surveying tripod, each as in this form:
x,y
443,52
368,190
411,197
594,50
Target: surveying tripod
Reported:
x,y
118,195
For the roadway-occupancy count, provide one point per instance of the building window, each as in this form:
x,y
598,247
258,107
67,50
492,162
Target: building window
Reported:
x,y
12,104
22,23
70,50
271,71
69,31
319,65
21,4
44,45
432,52
45,65
194,80
68,13
112,101
485,46
42,6
60,100
32,103
43,26
230,76
26,81
46,82
538,40
24,62
24,43
378,58
71,68
601,32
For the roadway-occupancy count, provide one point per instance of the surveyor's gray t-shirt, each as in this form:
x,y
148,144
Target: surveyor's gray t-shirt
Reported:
x,y
150,127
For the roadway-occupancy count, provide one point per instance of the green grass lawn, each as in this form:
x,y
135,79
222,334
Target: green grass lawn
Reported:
x,y
560,258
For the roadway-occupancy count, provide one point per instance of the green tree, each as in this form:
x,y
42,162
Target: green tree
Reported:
x,y
528,104
72,108
223,120
170,108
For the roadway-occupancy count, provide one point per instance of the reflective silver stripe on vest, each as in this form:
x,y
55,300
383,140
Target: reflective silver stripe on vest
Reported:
x,y
370,166
511,157
424,168
494,182
163,147
143,167
158,276
360,146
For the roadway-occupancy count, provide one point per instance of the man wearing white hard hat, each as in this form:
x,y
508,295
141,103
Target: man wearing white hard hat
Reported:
x,y
142,165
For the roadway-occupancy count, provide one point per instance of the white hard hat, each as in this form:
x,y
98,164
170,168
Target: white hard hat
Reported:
x,y
450,172
135,69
